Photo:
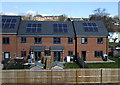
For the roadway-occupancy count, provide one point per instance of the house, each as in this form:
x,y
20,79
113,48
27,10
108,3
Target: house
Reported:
x,y
56,65
91,40
56,39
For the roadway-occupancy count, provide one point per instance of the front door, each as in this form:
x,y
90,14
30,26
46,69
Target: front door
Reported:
x,y
37,55
57,56
6,56
84,55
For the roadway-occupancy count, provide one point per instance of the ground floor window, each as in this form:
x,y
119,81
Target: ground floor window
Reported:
x,y
57,56
37,55
98,53
23,53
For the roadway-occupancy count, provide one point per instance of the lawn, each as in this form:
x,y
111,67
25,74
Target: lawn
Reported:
x,y
96,65
106,65
71,65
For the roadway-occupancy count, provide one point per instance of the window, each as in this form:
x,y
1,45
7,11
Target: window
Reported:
x,y
70,40
70,53
6,40
98,53
56,40
38,40
100,40
23,53
84,40
23,39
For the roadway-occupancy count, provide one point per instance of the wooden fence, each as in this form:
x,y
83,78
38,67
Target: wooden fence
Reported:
x,y
61,76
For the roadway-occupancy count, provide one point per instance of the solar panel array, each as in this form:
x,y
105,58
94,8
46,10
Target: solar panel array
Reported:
x,y
60,28
90,27
8,23
34,27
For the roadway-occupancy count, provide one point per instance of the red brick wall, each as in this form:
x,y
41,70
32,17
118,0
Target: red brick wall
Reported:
x,y
91,47
11,47
46,41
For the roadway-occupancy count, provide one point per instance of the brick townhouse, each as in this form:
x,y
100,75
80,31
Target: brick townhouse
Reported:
x,y
57,39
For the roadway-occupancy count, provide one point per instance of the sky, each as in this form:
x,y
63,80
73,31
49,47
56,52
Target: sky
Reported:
x,y
71,9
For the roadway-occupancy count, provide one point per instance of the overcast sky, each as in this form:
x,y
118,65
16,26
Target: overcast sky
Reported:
x,y
72,9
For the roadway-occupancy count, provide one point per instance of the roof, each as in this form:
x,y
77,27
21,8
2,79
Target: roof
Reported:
x,y
37,48
80,31
46,29
11,30
56,48
56,63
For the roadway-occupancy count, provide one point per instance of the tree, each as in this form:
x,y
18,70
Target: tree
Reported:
x,y
62,17
68,19
102,15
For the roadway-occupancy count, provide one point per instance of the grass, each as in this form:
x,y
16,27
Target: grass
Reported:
x,y
95,65
106,65
71,65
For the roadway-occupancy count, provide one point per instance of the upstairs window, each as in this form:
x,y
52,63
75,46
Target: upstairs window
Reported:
x,y
56,40
100,40
6,40
84,40
23,39
70,40
37,40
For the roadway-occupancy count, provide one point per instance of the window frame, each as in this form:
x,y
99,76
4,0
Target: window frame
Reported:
x,y
38,38
58,40
84,40
23,39
98,54
23,53
7,40
70,40
70,53
100,40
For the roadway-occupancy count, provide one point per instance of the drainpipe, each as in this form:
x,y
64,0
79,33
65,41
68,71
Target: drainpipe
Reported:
x,y
75,39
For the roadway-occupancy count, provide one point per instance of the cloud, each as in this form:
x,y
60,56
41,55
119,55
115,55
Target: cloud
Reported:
x,y
3,13
30,12
14,8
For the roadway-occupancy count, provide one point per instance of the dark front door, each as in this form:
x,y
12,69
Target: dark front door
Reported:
x,y
37,55
84,55
57,56
6,56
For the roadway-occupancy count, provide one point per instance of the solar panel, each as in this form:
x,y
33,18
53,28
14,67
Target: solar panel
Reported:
x,y
8,23
60,28
84,24
33,27
12,26
90,27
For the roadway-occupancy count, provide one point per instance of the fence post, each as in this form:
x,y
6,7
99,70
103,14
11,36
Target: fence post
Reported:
x,y
76,76
101,76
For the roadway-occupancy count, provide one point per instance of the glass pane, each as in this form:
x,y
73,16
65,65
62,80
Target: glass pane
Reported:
x,y
13,20
95,29
34,25
28,30
65,30
6,26
60,29
38,30
8,20
33,29
93,24
39,25
84,24
90,28
55,25
12,26
89,24
29,25
60,25
86,29
64,25
3,20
